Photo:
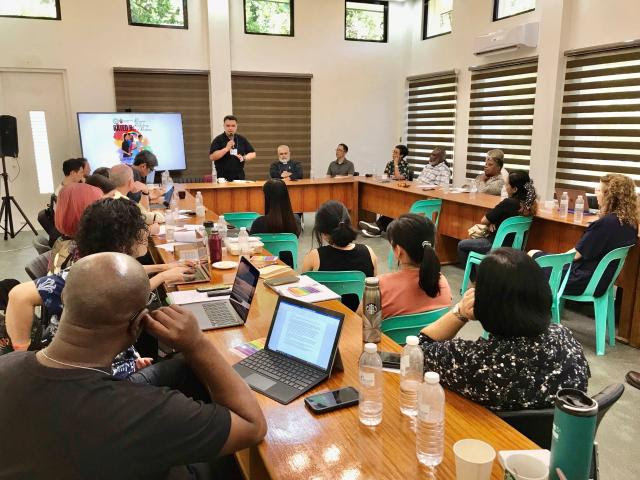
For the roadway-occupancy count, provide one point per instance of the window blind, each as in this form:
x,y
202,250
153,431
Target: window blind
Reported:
x,y
273,110
600,122
431,117
187,93
501,115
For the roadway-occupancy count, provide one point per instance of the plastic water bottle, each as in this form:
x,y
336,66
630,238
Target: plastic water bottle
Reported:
x,y
214,173
199,205
222,227
411,368
243,241
503,192
370,373
430,428
563,211
473,190
169,182
170,226
578,210
164,178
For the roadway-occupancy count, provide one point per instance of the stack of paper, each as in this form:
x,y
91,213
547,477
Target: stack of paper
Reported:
x,y
271,271
306,290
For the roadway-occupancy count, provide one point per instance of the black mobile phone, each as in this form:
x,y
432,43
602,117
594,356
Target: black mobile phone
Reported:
x,y
390,360
332,400
212,288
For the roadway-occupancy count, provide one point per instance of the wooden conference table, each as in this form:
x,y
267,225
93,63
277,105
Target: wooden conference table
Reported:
x,y
459,212
301,445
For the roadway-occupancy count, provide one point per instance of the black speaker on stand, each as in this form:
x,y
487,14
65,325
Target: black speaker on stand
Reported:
x,y
9,148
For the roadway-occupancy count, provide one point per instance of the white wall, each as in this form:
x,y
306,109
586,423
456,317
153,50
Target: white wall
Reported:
x,y
357,87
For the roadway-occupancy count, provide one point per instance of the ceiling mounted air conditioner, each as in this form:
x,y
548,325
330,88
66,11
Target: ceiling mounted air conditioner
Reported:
x,y
507,40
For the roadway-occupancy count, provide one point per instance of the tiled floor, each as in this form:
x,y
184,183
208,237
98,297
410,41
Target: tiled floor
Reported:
x,y
619,433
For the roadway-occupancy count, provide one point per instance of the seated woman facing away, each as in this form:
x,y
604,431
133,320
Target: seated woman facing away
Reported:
x,y
418,286
108,225
617,227
72,202
521,200
526,359
337,250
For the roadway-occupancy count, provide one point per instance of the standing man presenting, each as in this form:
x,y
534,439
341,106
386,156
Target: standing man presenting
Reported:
x,y
285,168
229,151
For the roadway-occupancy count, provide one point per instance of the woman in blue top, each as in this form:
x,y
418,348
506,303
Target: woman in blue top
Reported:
x,y
617,227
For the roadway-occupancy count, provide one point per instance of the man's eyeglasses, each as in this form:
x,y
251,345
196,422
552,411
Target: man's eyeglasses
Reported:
x,y
152,298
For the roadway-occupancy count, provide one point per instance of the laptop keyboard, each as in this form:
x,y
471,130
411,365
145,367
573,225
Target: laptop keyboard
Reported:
x,y
219,314
282,369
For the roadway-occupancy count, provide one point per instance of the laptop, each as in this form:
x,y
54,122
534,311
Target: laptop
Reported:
x,y
299,352
233,311
166,201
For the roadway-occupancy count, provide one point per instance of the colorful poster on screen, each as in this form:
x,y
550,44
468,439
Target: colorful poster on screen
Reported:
x,y
111,138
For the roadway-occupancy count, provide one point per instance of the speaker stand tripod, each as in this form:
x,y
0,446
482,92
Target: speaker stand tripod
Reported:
x,y
6,217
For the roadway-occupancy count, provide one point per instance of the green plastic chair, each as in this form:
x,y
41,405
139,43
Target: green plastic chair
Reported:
x,y
517,225
341,282
399,327
280,242
604,305
241,219
428,208
557,281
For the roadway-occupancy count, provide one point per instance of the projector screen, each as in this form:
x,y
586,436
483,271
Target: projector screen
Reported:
x,y
102,138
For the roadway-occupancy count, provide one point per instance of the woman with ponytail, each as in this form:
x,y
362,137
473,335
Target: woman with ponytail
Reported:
x,y
521,200
335,236
418,286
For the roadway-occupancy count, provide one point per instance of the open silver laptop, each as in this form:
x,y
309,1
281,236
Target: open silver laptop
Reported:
x,y
233,311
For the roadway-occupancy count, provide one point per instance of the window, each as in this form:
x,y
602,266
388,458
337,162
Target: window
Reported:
x,y
268,17
436,18
158,13
366,21
600,122
501,114
509,8
43,9
431,117
41,151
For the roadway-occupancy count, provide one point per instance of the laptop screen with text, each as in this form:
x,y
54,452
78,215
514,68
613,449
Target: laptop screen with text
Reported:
x,y
304,332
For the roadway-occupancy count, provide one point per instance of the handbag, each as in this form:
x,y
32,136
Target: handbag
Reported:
x,y
479,231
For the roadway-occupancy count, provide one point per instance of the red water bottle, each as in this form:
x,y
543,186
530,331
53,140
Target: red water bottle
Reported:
x,y
215,247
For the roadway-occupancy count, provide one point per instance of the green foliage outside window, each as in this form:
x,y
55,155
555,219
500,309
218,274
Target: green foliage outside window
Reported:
x,y
365,22
168,13
272,17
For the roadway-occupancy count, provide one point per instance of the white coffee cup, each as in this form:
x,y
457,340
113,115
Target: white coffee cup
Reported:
x,y
521,466
474,459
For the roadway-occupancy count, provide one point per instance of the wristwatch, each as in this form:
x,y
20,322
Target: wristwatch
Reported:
x,y
459,316
144,193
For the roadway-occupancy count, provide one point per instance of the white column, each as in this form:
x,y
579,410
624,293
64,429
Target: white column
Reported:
x,y
219,43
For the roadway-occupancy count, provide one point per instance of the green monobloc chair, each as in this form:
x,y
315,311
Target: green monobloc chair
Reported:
x,y
399,327
518,225
280,242
557,279
603,305
241,219
342,282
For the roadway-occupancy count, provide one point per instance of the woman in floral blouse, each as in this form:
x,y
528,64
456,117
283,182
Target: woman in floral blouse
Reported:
x,y
526,360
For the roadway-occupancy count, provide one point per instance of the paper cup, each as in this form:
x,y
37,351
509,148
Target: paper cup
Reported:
x,y
521,466
474,459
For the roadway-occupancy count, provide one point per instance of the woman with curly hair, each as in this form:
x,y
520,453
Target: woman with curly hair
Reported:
x,y
521,200
107,225
617,227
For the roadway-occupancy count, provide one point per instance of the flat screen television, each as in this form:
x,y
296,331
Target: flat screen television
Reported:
x,y
102,138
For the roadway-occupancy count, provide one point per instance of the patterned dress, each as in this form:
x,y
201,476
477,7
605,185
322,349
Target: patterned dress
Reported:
x,y
509,373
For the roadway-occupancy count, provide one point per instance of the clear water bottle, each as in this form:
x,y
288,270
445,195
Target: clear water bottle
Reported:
x,y
503,192
370,395
243,241
164,177
222,227
199,205
430,421
563,211
169,182
473,189
214,173
411,368
578,210
170,226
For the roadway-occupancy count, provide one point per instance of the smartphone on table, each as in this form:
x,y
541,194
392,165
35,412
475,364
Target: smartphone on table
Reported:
x,y
332,400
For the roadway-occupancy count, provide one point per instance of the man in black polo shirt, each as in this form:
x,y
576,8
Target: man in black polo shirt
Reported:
x,y
229,151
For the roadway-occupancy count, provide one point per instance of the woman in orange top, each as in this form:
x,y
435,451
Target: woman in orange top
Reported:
x,y
418,286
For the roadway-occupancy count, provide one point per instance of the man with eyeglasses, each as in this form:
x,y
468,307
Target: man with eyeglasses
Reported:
x,y
144,164
70,418
340,167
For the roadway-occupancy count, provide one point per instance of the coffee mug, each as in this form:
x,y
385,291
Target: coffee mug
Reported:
x,y
182,194
521,466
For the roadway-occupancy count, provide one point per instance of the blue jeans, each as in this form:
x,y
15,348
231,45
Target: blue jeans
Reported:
x,y
479,245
